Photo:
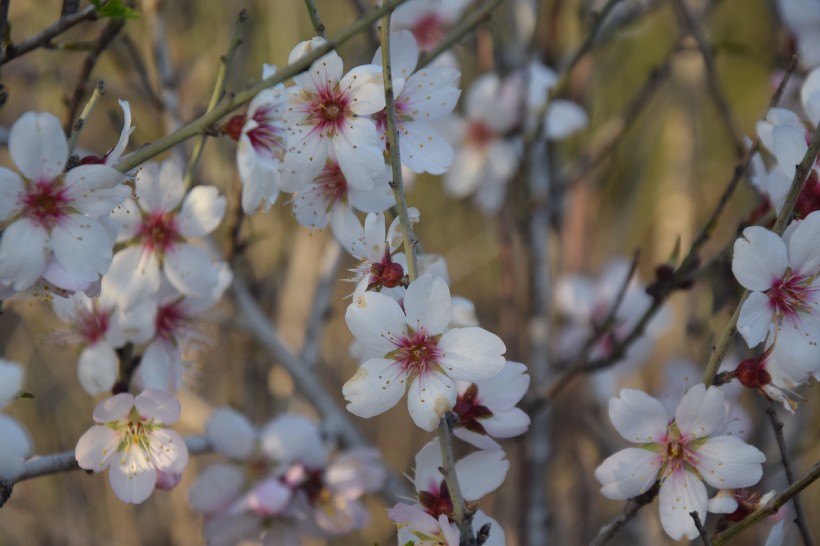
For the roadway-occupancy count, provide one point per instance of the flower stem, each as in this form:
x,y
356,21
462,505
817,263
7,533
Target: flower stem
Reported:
x,y
313,13
445,436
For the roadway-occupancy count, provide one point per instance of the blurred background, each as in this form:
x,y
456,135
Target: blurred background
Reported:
x,y
657,183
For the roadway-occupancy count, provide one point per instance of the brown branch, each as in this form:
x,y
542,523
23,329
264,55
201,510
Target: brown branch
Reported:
x,y
631,509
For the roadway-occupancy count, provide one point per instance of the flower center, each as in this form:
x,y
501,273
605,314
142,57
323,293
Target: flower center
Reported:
x,y
429,30
134,433
469,410
418,353
170,320
752,373
438,502
329,110
790,295
267,138
159,231
332,184
46,203
478,134
92,324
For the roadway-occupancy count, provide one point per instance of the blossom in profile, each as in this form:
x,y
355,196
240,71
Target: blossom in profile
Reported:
x,y
681,451
132,439
16,445
417,350
54,220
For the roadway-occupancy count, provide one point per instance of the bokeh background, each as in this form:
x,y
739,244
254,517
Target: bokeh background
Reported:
x,y
658,183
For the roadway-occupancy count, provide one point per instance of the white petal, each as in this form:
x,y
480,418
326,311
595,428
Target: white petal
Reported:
x,y
132,480
760,257
701,411
158,406
471,354
324,72
810,95
133,277
682,493
293,437
365,85
82,246
423,149
481,473
481,441
429,397
427,305
563,119
215,488
628,473
789,147
96,447
506,388
638,417
376,387
804,252
506,423
95,189
755,319
230,433
159,187
168,451
727,462
404,54
359,153
161,366
191,271
723,502
305,158
97,368
377,321
116,152
11,191
11,380
430,94
115,408
201,212
38,147
22,254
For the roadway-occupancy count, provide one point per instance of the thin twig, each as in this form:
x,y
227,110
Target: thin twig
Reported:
x,y
686,20
315,20
704,537
216,94
800,513
769,508
243,97
448,468
631,509
44,37
77,126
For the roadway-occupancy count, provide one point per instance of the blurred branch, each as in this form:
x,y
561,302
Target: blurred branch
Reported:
x,y
704,537
769,508
243,97
44,465
216,94
313,13
686,20
631,509
44,37
800,513
260,326
142,71
331,261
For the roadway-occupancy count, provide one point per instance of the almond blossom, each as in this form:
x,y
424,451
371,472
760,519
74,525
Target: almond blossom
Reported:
x,y
262,137
328,110
784,302
158,227
417,350
54,224
681,451
428,20
132,439
16,444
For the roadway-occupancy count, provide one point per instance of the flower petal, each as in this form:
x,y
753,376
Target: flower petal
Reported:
x,y
628,473
22,254
427,305
11,191
114,409
201,212
682,493
159,406
215,489
481,473
701,411
96,447
230,433
377,321
11,380
97,368
727,462
38,146
429,397
376,387
755,319
760,257
134,479
190,270
638,417
471,354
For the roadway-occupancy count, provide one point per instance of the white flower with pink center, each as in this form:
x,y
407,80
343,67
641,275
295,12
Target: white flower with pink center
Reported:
x,y
330,198
262,137
157,226
16,444
682,451
784,303
417,350
328,110
422,98
53,227
486,157
428,20
99,325
132,439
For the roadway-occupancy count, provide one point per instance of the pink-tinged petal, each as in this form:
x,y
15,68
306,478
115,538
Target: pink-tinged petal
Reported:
x,y
134,276
190,270
230,433
291,437
365,86
158,406
11,190
15,448
638,417
727,462
701,411
563,119
359,153
215,489
755,319
323,73
377,386
681,493
11,380
481,473
804,252
167,451
37,146
628,473
481,441
760,258
97,368
505,389
95,189
96,447
377,321
114,409
133,479
723,502
427,305
166,481
82,246
423,149
201,212
22,254
429,397
776,535
159,187
404,54
506,423
413,518
268,498
471,354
